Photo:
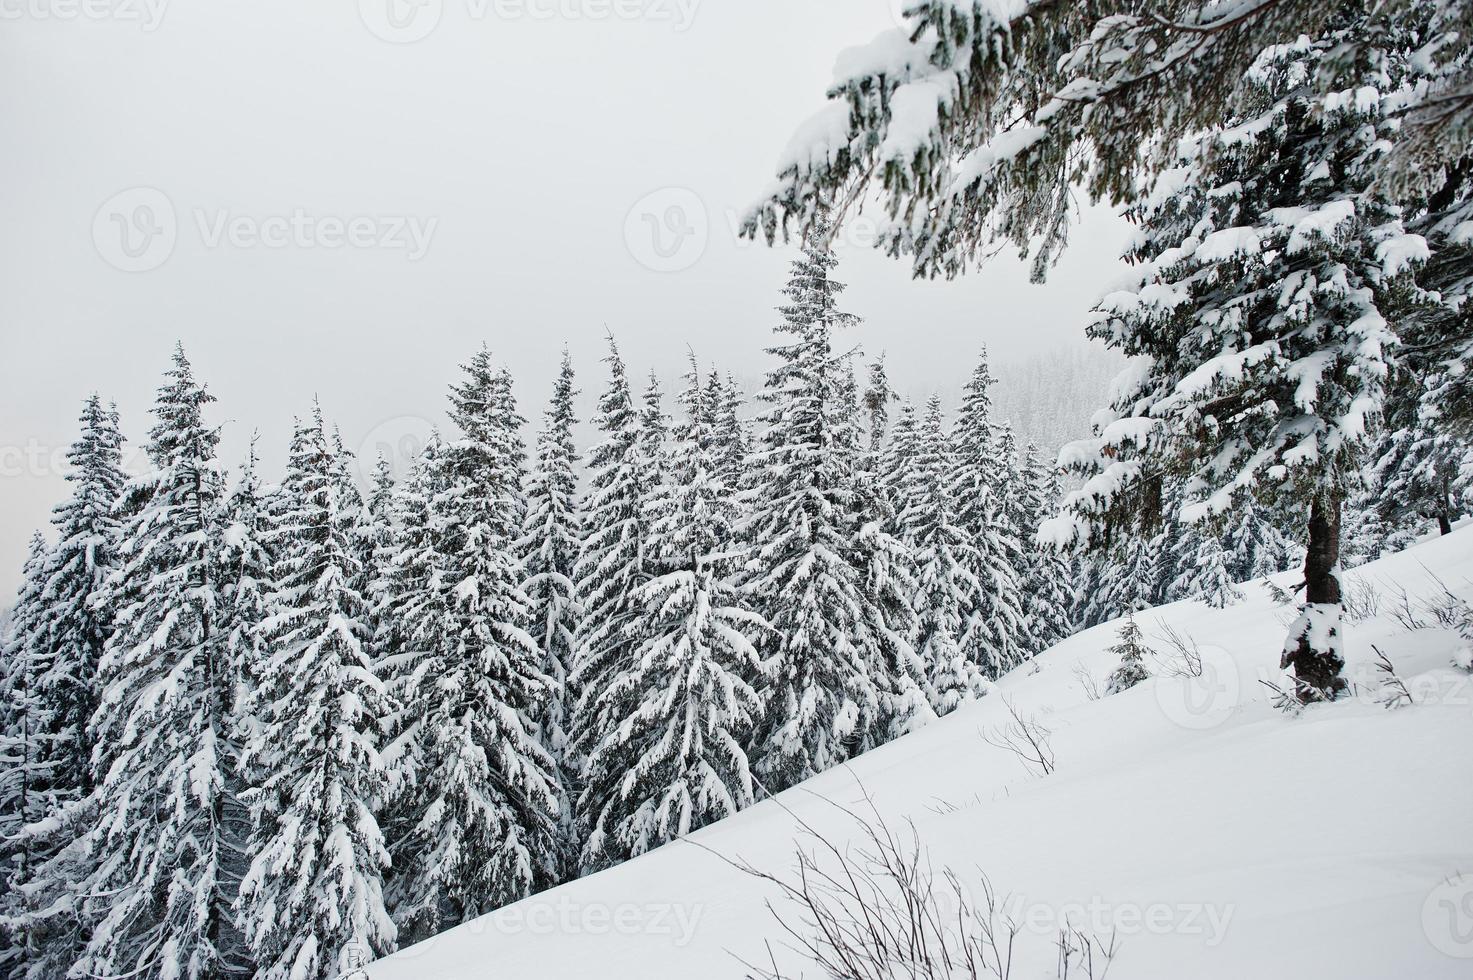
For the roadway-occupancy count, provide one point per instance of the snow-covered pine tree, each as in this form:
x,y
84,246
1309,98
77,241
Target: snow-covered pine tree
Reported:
x,y
888,572
312,900
1008,488
728,435
1256,547
877,398
944,557
1124,577
1049,595
732,439
483,406
886,563
852,440
996,622
1201,566
379,503
654,435
77,623
375,544
549,553
510,451
1132,652
611,564
891,582
1366,535
1422,467
897,464
410,609
246,570
482,824
1089,571
801,575
976,123
150,867
1257,325
27,766
1136,580
245,576
681,708
1432,173
356,513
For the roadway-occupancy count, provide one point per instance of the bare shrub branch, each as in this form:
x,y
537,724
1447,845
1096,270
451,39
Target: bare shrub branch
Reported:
x,y
1187,659
1362,600
1393,693
1026,738
1087,681
877,909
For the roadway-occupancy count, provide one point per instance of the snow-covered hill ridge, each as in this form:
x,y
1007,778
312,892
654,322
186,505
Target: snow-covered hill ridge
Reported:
x,y
1336,844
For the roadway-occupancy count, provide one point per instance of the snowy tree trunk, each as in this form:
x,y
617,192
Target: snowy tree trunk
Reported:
x,y
1314,650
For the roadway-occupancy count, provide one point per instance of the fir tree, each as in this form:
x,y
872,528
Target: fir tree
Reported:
x,y
888,580
1202,567
375,547
76,621
654,434
549,548
996,625
674,758
380,505
802,577
246,569
877,398
155,854
509,451
1049,596
1422,467
27,765
312,900
483,405
1132,653
1089,572
481,827
410,610
246,566
1366,535
1258,314
897,462
1255,545
1030,102
944,557
611,564
733,443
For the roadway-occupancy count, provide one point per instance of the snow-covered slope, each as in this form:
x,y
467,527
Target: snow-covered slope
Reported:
x,y
1222,838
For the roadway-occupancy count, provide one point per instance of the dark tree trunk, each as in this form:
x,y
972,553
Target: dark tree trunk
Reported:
x,y
1445,507
1313,650
1321,584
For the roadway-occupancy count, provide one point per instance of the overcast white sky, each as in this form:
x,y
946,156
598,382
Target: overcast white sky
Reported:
x,y
317,202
